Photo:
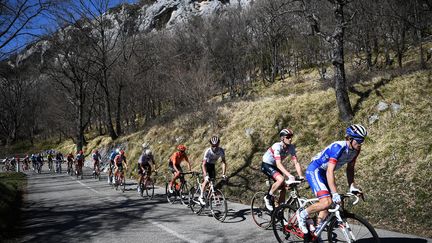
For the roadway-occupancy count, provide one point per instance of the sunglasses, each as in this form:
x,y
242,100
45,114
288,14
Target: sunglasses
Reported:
x,y
359,141
289,136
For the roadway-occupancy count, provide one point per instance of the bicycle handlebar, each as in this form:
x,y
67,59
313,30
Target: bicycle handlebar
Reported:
x,y
347,195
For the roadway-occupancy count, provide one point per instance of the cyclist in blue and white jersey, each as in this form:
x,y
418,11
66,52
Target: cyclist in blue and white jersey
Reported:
x,y
145,164
320,173
211,155
272,166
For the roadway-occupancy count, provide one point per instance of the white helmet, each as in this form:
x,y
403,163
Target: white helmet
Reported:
x,y
145,145
148,152
117,150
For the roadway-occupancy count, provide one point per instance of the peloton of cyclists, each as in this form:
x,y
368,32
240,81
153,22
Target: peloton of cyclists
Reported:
x,y
145,164
272,166
174,164
320,173
211,155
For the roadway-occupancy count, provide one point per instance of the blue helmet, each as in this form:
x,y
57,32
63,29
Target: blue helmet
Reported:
x,y
357,132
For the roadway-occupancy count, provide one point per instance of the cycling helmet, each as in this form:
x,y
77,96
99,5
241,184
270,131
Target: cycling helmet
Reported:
x,y
145,145
357,132
214,141
122,152
181,148
117,150
148,152
286,132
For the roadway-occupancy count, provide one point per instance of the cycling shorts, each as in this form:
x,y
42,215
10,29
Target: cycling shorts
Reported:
x,y
317,180
170,165
270,170
147,167
211,171
80,162
120,167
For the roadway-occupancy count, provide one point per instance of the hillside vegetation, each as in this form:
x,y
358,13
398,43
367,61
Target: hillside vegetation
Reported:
x,y
394,168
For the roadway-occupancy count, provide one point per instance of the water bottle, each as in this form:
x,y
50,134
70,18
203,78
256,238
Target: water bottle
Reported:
x,y
310,222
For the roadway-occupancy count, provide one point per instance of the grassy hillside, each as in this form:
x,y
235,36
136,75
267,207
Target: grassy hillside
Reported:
x,y
394,168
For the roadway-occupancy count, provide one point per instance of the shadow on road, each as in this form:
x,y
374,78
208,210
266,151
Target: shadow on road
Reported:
x,y
402,240
237,216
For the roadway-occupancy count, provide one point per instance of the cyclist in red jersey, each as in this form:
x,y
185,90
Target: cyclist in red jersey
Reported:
x,y
174,164
118,163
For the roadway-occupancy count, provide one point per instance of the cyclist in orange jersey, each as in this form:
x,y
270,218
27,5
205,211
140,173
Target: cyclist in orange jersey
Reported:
x,y
174,163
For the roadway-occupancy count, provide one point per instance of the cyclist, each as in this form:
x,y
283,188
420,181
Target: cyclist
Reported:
x,y
144,166
26,161
272,166
211,155
112,156
70,159
59,159
40,160
96,161
118,163
50,160
320,173
33,159
79,158
174,164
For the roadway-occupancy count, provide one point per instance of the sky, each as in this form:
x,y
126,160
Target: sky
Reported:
x,y
40,26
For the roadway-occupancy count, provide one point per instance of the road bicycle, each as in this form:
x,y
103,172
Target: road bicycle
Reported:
x,y
147,185
96,172
180,189
261,216
50,165
69,167
79,170
39,167
58,166
213,198
340,225
120,180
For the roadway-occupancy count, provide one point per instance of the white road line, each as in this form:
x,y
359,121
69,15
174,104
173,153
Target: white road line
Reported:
x,y
91,189
172,232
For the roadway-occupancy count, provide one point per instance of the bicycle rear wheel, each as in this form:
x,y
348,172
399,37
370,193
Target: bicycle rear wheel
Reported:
x,y
194,204
123,183
260,214
284,224
171,197
218,205
149,189
353,229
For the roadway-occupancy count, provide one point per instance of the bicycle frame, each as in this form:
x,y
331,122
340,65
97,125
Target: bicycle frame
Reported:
x,y
334,213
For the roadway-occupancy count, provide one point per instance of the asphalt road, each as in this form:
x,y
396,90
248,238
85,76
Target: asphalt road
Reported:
x,y
60,208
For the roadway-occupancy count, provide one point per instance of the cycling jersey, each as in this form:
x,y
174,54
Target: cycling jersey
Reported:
x,y
145,159
277,151
70,157
178,157
211,157
119,159
59,156
96,156
113,155
337,153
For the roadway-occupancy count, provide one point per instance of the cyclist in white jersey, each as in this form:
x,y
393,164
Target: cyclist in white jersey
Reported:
x,y
320,173
272,166
211,155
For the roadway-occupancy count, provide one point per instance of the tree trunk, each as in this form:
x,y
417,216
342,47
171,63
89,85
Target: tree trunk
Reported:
x,y
342,98
108,120
118,114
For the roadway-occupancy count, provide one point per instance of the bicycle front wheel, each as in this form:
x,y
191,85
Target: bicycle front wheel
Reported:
x,y
284,224
184,194
353,229
194,203
218,205
260,214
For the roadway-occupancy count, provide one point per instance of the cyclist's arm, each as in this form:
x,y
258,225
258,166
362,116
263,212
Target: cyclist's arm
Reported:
x,y
223,166
331,177
280,166
204,168
297,166
350,172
